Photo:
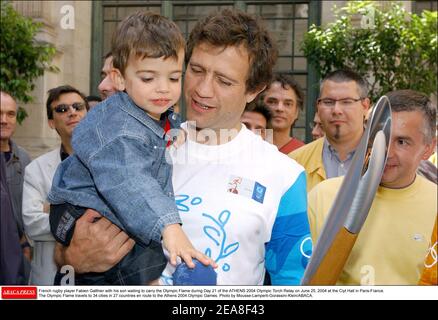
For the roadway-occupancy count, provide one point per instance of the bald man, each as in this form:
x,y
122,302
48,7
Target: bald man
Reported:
x,y
16,159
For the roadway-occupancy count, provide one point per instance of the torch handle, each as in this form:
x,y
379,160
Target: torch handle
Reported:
x,y
333,262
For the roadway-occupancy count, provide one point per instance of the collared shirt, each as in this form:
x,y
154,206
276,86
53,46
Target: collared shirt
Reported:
x,y
334,167
62,153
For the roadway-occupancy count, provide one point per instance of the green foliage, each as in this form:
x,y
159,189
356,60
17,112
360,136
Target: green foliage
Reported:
x,y
392,48
22,58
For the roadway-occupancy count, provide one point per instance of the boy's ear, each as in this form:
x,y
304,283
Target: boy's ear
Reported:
x,y
117,78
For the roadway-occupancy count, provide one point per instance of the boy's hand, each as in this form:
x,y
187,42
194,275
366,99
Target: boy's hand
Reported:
x,y
177,244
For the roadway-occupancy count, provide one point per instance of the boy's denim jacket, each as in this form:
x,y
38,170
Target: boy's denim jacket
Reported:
x,y
119,168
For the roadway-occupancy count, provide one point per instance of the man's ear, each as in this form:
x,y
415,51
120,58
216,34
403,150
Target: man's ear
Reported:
x,y
117,78
51,123
250,96
429,150
366,103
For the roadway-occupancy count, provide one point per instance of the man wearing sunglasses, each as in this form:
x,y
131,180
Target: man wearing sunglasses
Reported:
x,y
342,105
66,106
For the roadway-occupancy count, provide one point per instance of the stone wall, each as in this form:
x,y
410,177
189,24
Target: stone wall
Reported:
x,y
72,58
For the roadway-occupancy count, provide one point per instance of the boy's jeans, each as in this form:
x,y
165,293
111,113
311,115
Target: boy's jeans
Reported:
x,y
140,266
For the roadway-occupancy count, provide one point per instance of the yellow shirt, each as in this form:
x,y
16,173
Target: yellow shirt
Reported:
x,y
393,242
310,157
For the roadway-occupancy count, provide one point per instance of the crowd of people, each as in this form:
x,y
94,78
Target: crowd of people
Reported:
x,y
131,192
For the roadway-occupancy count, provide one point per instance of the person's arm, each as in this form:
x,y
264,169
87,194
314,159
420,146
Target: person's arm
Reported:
x,y
290,247
95,246
122,174
35,219
178,245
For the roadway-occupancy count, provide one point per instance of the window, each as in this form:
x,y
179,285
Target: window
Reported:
x,y
421,5
287,20
116,11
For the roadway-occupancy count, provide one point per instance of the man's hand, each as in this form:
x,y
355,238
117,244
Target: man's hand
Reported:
x,y
27,253
177,244
95,246
46,207
26,248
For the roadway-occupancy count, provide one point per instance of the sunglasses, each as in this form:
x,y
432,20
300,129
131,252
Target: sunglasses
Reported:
x,y
63,108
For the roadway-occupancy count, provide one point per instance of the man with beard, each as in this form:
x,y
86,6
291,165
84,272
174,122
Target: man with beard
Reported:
x,y
342,106
392,244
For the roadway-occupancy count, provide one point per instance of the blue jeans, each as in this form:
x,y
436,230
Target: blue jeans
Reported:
x,y
140,266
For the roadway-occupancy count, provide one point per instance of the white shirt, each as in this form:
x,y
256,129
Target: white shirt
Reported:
x,y
229,198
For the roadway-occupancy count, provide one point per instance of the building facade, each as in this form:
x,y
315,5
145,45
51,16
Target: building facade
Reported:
x,y
81,32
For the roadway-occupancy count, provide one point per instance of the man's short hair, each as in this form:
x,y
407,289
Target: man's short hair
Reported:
x,y
347,76
410,100
107,55
55,93
288,82
93,98
233,28
6,93
258,106
145,34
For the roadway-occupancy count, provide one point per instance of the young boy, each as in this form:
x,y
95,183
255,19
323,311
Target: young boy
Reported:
x,y
119,166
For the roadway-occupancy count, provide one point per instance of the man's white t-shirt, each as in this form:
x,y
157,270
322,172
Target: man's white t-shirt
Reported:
x,y
243,203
